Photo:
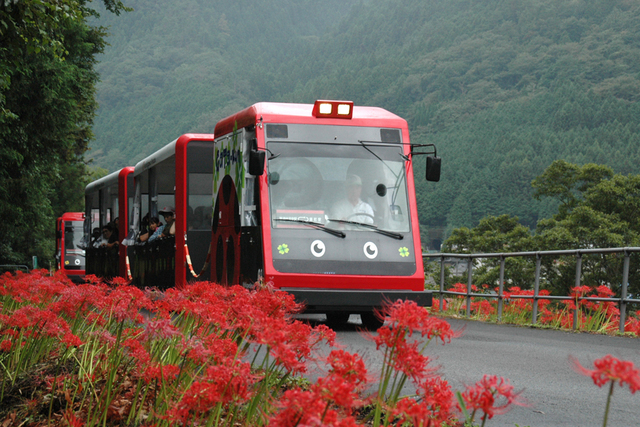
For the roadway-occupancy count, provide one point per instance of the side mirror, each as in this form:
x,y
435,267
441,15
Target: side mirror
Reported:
x,y
433,169
256,162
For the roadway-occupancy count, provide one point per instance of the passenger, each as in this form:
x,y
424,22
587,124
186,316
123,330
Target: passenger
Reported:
x,y
169,228
154,223
109,233
96,238
352,208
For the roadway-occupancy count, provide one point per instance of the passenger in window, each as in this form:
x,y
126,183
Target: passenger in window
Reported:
x,y
352,208
154,223
110,235
96,238
169,228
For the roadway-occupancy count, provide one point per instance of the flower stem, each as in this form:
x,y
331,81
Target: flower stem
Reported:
x,y
606,411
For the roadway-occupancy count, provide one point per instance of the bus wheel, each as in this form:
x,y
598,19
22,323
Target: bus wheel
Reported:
x,y
371,321
337,318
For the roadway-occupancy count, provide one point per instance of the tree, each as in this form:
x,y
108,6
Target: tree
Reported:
x,y
47,105
495,234
598,209
568,182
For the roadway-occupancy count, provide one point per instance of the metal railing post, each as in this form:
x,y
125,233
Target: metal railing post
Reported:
x,y
534,312
441,283
623,292
469,282
578,273
501,288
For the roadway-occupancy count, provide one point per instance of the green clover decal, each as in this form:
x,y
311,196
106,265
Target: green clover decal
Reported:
x,y
283,249
404,252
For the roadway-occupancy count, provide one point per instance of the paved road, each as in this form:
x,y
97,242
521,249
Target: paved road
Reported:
x,y
535,361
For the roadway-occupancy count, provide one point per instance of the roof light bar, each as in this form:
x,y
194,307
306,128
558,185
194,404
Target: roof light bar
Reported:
x,y
333,109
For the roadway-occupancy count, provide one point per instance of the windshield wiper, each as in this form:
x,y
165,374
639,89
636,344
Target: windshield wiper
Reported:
x,y
314,225
375,228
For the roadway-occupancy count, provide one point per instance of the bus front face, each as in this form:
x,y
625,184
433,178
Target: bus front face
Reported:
x,y
339,205
73,261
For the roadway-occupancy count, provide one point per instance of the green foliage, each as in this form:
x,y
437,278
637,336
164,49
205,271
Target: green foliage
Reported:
x,y
597,209
502,234
47,101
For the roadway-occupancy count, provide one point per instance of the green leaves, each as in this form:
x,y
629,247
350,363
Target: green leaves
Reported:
x,y
47,105
599,209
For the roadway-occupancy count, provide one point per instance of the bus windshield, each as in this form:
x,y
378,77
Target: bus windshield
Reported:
x,y
354,187
74,255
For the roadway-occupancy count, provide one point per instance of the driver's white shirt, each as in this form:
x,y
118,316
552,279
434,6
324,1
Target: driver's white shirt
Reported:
x,y
345,210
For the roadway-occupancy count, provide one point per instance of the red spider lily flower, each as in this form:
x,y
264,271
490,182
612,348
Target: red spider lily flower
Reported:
x,y
92,278
71,340
483,308
287,341
299,408
296,408
338,390
345,381
603,291
161,372
633,324
608,307
578,292
437,395
410,361
224,383
6,345
210,349
611,369
323,333
402,354
119,281
432,407
125,302
410,411
45,320
459,287
486,393
435,306
79,300
410,316
349,366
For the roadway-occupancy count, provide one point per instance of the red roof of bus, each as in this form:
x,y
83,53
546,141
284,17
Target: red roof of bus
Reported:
x,y
272,112
72,216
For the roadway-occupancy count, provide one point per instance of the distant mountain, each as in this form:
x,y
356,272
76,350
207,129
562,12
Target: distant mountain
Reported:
x,y
502,87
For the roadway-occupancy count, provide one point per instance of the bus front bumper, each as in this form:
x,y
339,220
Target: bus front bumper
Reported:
x,y
323,300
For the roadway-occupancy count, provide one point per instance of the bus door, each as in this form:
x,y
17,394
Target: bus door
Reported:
x,y
236,244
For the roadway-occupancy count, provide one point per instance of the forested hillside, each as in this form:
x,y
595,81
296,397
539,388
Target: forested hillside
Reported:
x,y
503,88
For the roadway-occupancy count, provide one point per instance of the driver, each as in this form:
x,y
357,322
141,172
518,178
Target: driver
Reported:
x,y
352,208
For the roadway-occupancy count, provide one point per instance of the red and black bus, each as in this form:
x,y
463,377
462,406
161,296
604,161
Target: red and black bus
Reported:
x,y
70,252
330,216
107,202
176,177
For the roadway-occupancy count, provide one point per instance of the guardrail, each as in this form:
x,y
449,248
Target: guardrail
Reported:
x,y
622,301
